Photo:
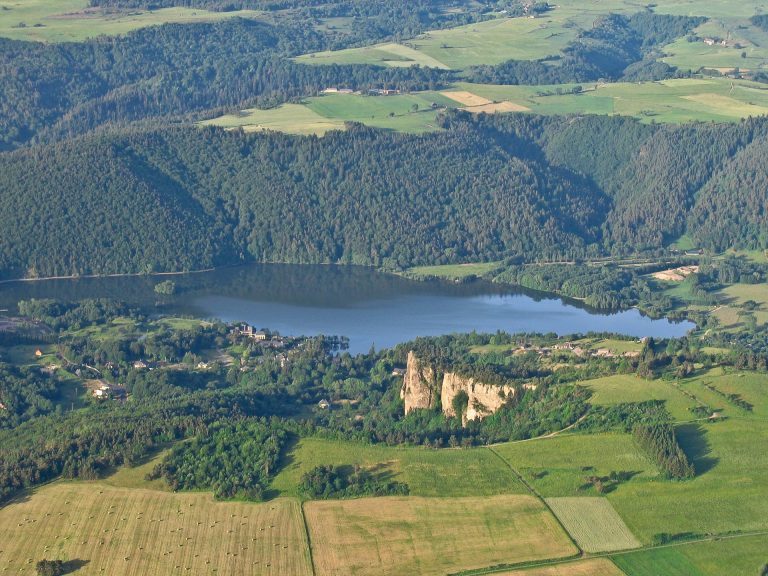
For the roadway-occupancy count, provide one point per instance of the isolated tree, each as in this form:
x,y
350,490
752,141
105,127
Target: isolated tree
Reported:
x,y
50,568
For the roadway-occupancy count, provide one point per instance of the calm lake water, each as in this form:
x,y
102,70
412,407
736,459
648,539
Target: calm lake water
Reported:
x,y
369,307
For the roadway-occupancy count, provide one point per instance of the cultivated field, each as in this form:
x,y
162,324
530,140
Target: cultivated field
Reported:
x,y
594,524
594,567
73,20
134,532
474,471
381,536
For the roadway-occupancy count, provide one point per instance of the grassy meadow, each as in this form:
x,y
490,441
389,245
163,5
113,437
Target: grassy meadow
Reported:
x,y
430,535
739,555
475,471
74,20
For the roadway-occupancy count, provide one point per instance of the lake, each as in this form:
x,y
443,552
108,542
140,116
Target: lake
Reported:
x,y
369,307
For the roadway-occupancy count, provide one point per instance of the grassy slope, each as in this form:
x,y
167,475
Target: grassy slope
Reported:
x,y
474,472
65,20
738,556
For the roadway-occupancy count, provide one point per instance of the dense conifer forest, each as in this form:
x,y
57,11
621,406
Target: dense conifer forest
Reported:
x,y
484,188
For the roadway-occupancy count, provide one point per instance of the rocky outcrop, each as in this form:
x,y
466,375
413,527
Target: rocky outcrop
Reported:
x,y
423,384
483,399
420,385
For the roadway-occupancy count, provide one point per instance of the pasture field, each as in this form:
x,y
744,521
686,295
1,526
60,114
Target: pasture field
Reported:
x,y
411,535
290,118
593,523
744,38
619,388
319,114
592,567
743,555
73,20
460,472
390,54
134,532
558,466
751,386
736,295
453,271
727,494
674,101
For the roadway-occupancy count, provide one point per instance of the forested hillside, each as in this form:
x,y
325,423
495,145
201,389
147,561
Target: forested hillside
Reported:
x,y
617,47
56,91
484,188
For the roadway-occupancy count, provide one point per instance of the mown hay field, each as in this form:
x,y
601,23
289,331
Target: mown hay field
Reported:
x,y
135,532
593,523
412,535
592,567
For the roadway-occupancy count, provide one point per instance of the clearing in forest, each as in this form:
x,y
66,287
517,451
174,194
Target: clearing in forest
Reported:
x,y
136,532
593,523
426,536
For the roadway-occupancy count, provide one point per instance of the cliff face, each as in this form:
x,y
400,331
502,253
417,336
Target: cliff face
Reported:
x,y
484,399
422,385
420,389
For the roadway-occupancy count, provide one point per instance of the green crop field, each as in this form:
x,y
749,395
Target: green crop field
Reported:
x,y
474,471
73,20
629,388
593,523
290,118
134,532
400,112
738,556
388,536
558,466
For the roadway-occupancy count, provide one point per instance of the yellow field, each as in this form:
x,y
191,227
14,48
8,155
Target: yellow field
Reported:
x,y
380,536
135,532
475,103
724,104
595,567
594,524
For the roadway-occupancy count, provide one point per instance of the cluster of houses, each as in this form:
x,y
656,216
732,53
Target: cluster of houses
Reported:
x,y
370,92
107,391
259,336
577,350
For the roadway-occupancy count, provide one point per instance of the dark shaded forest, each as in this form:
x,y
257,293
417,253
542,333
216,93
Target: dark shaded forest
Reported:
x,y
489,187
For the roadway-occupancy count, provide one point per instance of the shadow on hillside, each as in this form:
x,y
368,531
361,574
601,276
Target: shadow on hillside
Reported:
x,y
693,440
